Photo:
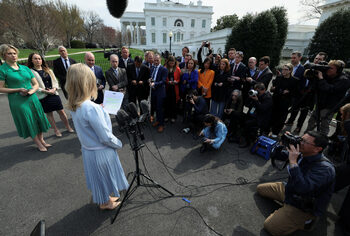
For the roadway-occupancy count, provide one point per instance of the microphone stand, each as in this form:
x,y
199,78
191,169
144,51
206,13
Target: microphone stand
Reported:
x,y
137,174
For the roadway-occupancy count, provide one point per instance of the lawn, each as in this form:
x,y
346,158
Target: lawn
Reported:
x,y
99,56
24,53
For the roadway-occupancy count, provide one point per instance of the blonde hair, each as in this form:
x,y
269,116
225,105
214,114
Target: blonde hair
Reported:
x,y
4,48
80,85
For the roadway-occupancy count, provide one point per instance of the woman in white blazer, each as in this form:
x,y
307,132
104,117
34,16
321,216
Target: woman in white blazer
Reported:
x,y
47,92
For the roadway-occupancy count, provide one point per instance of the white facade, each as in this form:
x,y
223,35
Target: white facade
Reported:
x,y
298,39
186,22
331,6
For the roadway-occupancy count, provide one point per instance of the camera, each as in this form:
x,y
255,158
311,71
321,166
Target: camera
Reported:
x,y
206,44
280,153
189,97
252,93
311,69
289,139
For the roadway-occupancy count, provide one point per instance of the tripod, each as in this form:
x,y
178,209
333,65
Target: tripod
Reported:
x,y
137,174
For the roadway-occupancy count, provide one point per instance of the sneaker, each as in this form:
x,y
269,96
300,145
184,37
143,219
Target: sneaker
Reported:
x,y
160,129
186,130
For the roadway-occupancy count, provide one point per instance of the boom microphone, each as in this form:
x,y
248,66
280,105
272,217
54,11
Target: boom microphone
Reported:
x,y
117,7
123,118
132,110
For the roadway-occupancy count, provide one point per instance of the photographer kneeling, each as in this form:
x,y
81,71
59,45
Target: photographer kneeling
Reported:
x,y
214,133
308,190
200,109
258,116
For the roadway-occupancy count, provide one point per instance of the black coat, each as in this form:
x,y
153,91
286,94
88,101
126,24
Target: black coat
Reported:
x,y
261,110
241,73
218,94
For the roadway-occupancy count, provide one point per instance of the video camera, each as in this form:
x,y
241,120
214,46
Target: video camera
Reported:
x,y
189,97
280,152
252,93
311,69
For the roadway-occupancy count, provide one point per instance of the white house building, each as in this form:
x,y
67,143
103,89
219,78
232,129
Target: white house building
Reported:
x,y
190,26
185,22
331,6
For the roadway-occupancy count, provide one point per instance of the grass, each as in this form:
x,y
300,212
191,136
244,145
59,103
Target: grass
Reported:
x,y
99,56
24,53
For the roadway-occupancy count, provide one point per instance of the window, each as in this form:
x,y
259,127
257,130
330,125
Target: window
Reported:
x,y
182,37
164,37
192,35
193,21
164,22
179,23
153,37
153,21
204,23
178,36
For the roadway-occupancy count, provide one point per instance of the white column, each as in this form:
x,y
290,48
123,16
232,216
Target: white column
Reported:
x,y
138,34
131,33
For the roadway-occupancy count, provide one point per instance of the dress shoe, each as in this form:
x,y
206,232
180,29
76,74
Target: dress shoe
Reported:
x,y
155,124
160,129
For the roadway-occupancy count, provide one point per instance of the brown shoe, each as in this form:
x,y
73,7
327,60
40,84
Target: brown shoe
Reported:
x,y
151,119
155,124
160,129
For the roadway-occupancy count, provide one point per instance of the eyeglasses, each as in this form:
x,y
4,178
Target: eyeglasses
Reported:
x,y
303,141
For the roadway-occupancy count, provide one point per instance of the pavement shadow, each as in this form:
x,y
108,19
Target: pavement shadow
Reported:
x,y
11,155
9,135
83,221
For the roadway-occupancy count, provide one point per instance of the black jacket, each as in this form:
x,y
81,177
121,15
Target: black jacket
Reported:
x,y
332,91
261,110
218,94
264,78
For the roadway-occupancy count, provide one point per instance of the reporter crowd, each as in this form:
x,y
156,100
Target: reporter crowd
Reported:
x,y
216,97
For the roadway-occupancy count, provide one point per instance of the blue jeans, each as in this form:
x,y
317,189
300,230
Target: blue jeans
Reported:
x,y
217,108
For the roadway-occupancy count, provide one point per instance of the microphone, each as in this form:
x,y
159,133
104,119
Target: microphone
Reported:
x,y
122,118
144,107
117,7
144,110
132,110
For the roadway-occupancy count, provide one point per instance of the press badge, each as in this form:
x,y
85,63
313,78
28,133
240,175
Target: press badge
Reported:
x,y
252,111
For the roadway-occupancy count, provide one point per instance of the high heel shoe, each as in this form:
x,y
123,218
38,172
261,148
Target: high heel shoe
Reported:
x,y
58,133
110,206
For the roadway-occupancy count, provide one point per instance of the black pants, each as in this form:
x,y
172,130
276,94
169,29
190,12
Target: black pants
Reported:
x,y
236,122
342,180
170,103
250,128
279,115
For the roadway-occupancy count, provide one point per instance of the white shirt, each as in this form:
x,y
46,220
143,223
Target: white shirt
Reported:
x,y
64,62
125,62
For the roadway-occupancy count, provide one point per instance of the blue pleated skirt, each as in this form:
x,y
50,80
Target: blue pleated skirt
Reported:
x,y
104,174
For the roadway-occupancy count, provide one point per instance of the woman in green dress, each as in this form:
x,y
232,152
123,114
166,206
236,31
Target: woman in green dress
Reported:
x,y
20,85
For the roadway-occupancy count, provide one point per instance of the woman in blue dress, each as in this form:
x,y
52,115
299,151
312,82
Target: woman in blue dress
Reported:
x,y
214,133
103,171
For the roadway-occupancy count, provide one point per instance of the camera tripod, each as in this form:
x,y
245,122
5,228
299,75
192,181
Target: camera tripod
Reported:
x,y
137,174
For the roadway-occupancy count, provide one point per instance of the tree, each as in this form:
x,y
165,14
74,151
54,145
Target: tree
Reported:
x,y
260,35
71,21
311,9
92,23
34,20
280,15
332,36
225,22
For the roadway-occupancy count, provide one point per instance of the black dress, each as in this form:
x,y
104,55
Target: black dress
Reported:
x,y
51,102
